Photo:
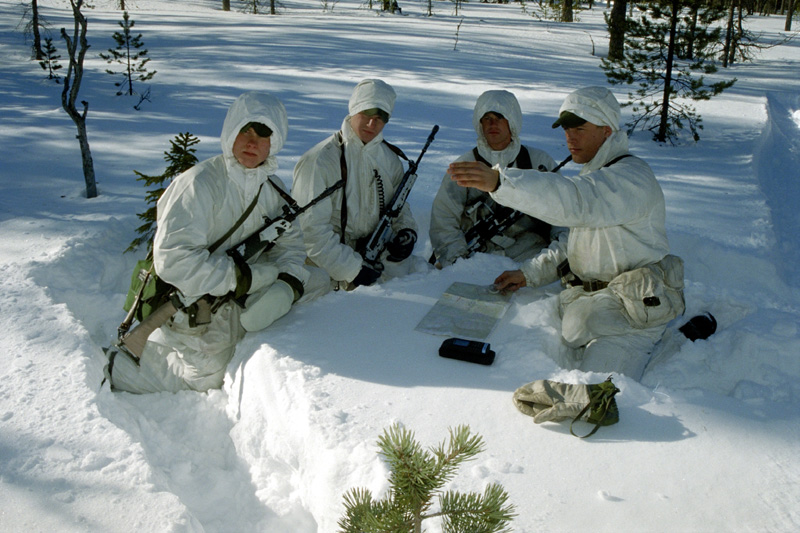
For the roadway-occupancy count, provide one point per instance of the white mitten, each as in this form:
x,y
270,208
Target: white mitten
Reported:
x,y
547,400
266,307
551,401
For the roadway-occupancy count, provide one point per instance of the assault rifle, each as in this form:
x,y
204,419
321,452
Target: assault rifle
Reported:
x,y
382,234
264,238
132,342
496,223
489,227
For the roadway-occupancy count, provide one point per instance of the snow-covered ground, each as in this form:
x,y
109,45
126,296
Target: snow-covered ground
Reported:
x,y
706,442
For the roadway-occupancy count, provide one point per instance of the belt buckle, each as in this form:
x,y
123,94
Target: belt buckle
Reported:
x,y
594,285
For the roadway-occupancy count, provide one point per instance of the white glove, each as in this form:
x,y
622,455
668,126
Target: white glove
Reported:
x,y
266,307
547,400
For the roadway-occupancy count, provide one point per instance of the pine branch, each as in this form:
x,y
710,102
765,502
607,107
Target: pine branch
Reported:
x,y
416,478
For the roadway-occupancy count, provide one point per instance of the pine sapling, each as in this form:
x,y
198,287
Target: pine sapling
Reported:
x,y
50,60
180,158
417,477
129,54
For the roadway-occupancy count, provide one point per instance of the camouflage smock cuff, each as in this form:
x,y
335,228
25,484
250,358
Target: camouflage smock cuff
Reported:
x,y
294,283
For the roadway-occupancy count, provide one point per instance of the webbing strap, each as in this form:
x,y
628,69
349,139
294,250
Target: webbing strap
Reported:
x,y
343,166
238,223
601,402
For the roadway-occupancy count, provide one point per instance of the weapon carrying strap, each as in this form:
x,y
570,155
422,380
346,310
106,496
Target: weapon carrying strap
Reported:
x,y
343,167
218,242
522,161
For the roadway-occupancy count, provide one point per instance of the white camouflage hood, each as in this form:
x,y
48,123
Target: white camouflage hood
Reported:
x,y
506,104
502,102
260,107
594,104
369,94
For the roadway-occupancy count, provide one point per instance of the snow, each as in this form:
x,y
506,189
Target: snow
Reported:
x,y
706,442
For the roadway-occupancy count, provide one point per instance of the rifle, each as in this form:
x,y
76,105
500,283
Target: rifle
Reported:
x,y
132,342
383,231
487,228
496,223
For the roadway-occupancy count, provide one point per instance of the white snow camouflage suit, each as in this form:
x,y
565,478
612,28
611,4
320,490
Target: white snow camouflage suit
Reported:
x,y
616,217
451,215
199,207
373,173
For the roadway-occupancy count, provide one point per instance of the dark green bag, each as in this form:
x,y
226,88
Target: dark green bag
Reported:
x,y
148,292
151,290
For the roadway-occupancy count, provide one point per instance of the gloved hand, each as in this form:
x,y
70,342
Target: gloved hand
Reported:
x,y
265,307
401,246
369,274
253,278
547,400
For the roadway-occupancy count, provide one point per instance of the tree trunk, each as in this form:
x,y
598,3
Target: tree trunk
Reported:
x,y
38,53
566,11
616,30
226,5
737,33
728,36
661,136
789,13
690,40
76,48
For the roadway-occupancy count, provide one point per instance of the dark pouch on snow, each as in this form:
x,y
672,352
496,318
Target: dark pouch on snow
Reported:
x,y
469,351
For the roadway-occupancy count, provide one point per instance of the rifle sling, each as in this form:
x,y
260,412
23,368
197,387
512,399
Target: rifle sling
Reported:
x,y
343,166
218,242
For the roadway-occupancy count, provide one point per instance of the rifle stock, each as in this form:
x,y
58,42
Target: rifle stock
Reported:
x,y
134,340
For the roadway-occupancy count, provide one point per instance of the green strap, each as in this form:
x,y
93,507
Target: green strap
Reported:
x,y
601,400
218,243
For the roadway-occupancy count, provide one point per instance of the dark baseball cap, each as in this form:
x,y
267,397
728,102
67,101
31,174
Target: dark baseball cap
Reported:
x,y
568,120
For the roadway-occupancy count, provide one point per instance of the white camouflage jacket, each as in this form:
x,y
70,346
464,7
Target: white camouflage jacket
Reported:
x,y
203,203
373,172
452,213
615,214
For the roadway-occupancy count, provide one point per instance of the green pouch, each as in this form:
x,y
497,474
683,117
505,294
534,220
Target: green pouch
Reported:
x,y
151,291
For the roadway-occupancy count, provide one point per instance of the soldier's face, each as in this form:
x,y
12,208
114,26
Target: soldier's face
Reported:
x,y
585,140
250,149
366,127
496,131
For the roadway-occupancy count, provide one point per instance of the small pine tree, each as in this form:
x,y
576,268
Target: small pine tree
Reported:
x,y
128,53
50,60
668,52
180,158
416,476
